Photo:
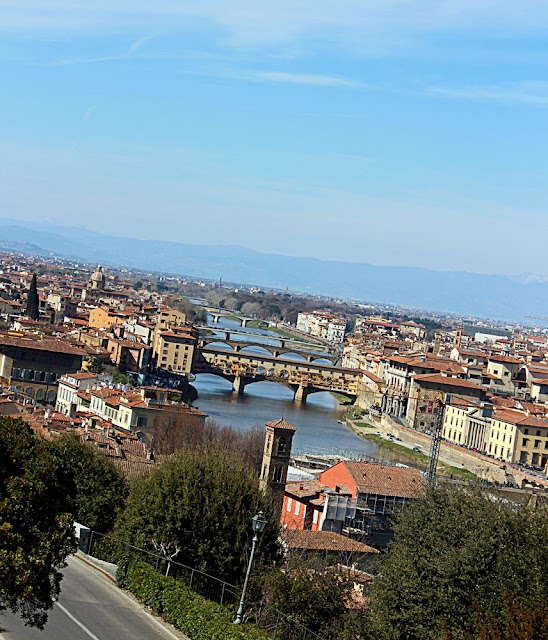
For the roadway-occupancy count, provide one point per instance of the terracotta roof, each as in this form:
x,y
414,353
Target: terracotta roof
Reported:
x,y
507,359
40,343
281,424
305,489
385,480
437,378
323,541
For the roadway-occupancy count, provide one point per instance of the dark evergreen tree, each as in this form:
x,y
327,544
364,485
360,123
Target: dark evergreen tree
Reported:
x,y
196,508
453,549
32,310
97,489
36,531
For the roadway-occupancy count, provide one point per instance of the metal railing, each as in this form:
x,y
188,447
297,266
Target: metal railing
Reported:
x,y
274,622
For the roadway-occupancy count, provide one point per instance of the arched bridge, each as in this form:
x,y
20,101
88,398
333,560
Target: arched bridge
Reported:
x,y
303,378
275,351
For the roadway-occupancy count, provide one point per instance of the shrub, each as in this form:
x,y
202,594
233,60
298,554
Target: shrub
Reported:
x,y
180,606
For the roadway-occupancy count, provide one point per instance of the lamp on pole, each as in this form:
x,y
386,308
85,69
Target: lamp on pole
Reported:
x,y
258,524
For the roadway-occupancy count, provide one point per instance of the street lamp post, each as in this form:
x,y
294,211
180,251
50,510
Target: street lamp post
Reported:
x,y
258,524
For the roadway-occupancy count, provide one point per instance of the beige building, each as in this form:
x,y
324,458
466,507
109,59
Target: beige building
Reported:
x,y
322,324
175,349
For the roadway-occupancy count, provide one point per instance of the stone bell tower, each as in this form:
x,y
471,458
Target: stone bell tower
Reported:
x,y
277,451
458,336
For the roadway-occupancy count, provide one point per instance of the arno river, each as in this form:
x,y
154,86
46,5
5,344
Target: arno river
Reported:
x,y
316,421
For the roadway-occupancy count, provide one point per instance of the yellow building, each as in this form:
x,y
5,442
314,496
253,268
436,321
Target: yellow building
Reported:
x,y
102,318
506,434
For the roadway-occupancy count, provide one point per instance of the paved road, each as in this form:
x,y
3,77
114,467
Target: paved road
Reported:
x,y
90,607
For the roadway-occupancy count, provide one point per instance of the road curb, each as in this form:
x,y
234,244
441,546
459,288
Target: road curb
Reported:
x,y
94,566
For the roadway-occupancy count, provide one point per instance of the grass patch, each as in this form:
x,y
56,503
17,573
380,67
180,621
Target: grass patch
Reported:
x,y
260,324
458,471
286,334
394,446
365,425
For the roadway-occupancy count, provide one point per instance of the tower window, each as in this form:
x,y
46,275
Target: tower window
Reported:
x,y
281,445
277,473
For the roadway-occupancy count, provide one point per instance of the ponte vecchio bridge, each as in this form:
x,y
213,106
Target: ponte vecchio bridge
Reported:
x,y
303,378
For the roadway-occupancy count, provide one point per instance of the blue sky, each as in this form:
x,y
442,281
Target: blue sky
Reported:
x,y
391,132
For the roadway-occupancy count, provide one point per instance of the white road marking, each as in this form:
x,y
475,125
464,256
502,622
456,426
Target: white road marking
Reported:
x,y
75,620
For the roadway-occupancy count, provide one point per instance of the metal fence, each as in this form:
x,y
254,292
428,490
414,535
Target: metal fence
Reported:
x,y
271,620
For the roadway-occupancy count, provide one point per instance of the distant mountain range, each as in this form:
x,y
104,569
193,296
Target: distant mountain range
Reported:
x,y
488,296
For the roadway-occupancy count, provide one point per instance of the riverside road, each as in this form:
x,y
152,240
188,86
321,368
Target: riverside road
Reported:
x,y
90,607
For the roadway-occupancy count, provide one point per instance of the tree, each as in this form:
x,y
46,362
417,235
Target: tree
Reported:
x,y
316,595
97,364
36,532
520,623
98,490
32,310
452,548
251,309
196,508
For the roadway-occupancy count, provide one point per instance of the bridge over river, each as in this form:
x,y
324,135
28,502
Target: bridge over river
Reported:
x,y
303,378
275,351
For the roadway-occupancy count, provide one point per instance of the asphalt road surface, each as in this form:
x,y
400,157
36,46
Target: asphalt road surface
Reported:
x,y
90,607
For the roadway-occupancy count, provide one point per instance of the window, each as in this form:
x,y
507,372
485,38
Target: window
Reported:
x,y
289,503
281,445
537,444
526,431
277,473
297,507
315,517
525,442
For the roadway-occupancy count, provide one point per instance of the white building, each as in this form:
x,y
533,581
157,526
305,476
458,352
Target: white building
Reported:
x,y
322,324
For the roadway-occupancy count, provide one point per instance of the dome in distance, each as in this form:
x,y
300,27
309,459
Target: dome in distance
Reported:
x,y
98,275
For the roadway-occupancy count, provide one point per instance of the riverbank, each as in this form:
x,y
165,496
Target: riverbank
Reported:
x,y
406,452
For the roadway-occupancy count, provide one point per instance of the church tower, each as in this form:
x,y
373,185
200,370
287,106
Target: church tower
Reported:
x,y
97,280
458,336
277,451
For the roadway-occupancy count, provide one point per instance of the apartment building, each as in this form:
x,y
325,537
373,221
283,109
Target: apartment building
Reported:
x,y
32,363
322,324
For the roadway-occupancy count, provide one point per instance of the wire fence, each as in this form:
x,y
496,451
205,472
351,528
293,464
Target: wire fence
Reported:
x,y
271,620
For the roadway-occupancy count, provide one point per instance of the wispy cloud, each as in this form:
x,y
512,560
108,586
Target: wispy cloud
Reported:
x,y
363,26
309,79
130,52
527,93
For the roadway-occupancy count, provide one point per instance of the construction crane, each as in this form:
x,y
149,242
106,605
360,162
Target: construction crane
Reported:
x,y
438,408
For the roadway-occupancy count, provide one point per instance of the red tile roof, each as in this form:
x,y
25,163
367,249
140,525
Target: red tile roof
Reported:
x,y
385,480
323,541
281,424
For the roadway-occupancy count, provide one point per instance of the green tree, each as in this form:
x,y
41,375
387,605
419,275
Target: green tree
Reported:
x,y
196,508
316,595
455,547
32,309
98,490
36,533
97,364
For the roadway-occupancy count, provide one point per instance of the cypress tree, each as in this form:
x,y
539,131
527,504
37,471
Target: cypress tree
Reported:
x,y
32,310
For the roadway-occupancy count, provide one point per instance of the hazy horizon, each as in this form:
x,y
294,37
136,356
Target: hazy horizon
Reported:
x,y
389,133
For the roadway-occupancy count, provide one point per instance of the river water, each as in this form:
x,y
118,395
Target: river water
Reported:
x,y
316,421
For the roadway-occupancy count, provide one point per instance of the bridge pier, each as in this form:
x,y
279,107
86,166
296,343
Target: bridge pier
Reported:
x,y
238,385
301,394
244,322
215,318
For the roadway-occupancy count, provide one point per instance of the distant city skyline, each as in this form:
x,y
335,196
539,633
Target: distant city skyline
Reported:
x,y
408,133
